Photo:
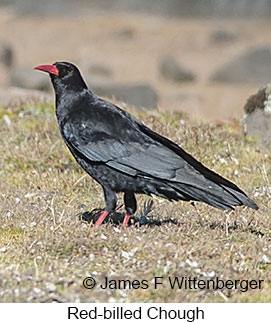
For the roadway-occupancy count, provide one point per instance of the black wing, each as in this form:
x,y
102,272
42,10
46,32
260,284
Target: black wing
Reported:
x,y
118,140
112,136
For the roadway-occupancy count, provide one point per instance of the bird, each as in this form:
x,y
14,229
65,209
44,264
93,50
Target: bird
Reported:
x,y
124,155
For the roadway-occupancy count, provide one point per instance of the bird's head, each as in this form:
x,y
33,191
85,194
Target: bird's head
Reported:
x,y
64,76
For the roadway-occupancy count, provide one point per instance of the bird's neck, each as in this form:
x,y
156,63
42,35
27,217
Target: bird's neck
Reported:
x,y
61,88
69,101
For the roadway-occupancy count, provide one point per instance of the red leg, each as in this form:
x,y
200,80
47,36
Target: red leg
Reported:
x,y
100,219
126,220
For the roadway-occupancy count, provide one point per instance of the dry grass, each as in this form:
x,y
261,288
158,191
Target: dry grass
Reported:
x,y
46,251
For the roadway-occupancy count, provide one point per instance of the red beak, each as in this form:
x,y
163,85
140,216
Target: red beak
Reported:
x,y
51,69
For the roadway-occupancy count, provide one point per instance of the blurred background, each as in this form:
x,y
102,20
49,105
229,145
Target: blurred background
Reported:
x,y
203,58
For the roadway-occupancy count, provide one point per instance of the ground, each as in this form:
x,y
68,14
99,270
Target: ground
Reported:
x,y
46,251
95,38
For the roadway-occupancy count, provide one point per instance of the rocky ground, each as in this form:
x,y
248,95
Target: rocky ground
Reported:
x,y
202,68
206,68
46,250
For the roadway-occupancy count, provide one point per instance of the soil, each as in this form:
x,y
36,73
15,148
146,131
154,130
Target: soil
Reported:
x,y
97,38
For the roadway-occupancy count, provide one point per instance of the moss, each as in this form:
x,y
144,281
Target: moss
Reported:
x,y
7,113
7,235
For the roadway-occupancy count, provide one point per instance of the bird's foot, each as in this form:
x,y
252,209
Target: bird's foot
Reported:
x,y
93,216
101,219
117,218
126,220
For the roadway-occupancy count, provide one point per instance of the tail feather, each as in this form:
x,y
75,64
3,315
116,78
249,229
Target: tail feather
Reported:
x,y
212,189
221,197
242,197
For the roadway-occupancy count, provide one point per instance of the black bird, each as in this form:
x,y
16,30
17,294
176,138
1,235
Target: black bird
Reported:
x,y
124,155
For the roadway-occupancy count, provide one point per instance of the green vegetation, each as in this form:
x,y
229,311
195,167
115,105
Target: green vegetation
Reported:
x,y
46,251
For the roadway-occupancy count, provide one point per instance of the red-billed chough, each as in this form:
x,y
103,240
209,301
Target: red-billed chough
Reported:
x,y
124,155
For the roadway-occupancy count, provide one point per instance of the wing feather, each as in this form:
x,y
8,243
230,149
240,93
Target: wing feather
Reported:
x,y
135,154
111,136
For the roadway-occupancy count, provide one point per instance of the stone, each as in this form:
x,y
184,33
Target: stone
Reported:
x,y
221,36
257,117
252,67
126,33
171,70
256,101
6,54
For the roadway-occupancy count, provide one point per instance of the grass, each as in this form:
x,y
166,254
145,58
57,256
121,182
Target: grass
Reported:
x,y
46,251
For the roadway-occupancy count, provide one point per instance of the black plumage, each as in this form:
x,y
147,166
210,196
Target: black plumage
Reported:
x,y
124,155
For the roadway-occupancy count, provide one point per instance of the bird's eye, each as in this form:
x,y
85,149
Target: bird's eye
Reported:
x,y
64,70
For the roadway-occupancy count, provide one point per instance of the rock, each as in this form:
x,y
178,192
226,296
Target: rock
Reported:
x,y
257,101
50,287
125,33
257,118
251,67
265,260
6,54
27,78
140,95
258,125
170,69
221,36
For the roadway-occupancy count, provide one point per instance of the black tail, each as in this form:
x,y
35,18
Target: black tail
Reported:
x,y
214,194
218,191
